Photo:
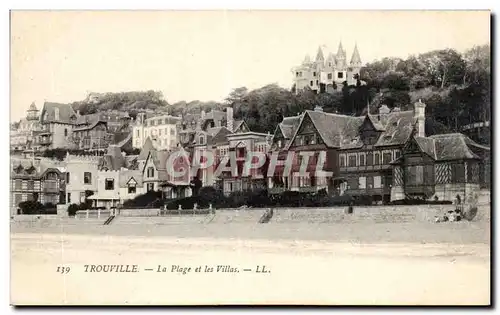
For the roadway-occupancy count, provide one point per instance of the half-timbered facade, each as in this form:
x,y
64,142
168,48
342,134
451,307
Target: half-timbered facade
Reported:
x,y
35,181
440,166
364,156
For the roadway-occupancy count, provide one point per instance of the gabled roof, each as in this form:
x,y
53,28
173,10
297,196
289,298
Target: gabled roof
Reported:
x,y
113,160
453,146
146,148
127,175
221,136
238,123
66,113
427,145
91,126
355,59
319,55
342,131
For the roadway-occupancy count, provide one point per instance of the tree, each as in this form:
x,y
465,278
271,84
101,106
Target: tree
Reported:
x,y
30,207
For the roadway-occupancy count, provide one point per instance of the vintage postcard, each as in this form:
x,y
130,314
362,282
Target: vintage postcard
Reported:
x,y
250,157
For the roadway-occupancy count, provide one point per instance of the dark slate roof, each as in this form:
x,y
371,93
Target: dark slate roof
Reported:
x,y
398,128
24,167
126,142
342,131
288,126
336,129
113,160
91,126
453,146
127,175
66,112
221,136
146,148
427,145
237,124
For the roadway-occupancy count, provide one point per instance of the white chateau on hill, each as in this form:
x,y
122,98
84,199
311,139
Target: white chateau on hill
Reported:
x,y
327,74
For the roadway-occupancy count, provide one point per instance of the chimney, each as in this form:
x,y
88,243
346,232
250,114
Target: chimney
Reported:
x,y
36,163
78,112
56,114
419,114
229,118
318,108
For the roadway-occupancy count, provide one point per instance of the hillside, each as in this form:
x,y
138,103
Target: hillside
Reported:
x,y
455,87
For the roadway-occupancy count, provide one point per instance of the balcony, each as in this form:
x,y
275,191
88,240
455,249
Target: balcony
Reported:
x,y
50,190
45,141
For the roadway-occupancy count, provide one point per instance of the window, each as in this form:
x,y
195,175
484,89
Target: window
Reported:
x,y
361,160
362,182
369,182
131,189
109,184
457,173
82,196
65,132
279,143
137,133
352,160
317,82
377,159
151,187
340,75
311,83
369,159
160,131
297,74
67,178
387,157
87,178
398,154
342,161
329,76
69,198
415,175
314,74
172,132
151,172
202,140
377,182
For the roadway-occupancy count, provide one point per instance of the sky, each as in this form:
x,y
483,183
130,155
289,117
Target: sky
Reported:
x,y
61,56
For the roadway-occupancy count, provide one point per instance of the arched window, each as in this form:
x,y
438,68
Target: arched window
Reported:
x,y
151,172
202,140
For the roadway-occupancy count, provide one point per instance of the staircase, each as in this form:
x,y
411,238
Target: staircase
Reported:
x,y
108,220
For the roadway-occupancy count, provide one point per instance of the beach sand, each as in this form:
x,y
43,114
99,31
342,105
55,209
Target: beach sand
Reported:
x,y
382,264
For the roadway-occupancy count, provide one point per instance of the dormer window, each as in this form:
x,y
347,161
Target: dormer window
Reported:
x,y
202,140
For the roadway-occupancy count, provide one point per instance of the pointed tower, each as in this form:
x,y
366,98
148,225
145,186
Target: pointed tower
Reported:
x,y
330,61
319,56
355,59
32,112
307,60
341,57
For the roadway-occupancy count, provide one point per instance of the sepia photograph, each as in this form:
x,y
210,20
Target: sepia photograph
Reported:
x,y
250,157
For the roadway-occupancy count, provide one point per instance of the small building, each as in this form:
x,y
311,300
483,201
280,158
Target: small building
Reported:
x,y
35,180
57,122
